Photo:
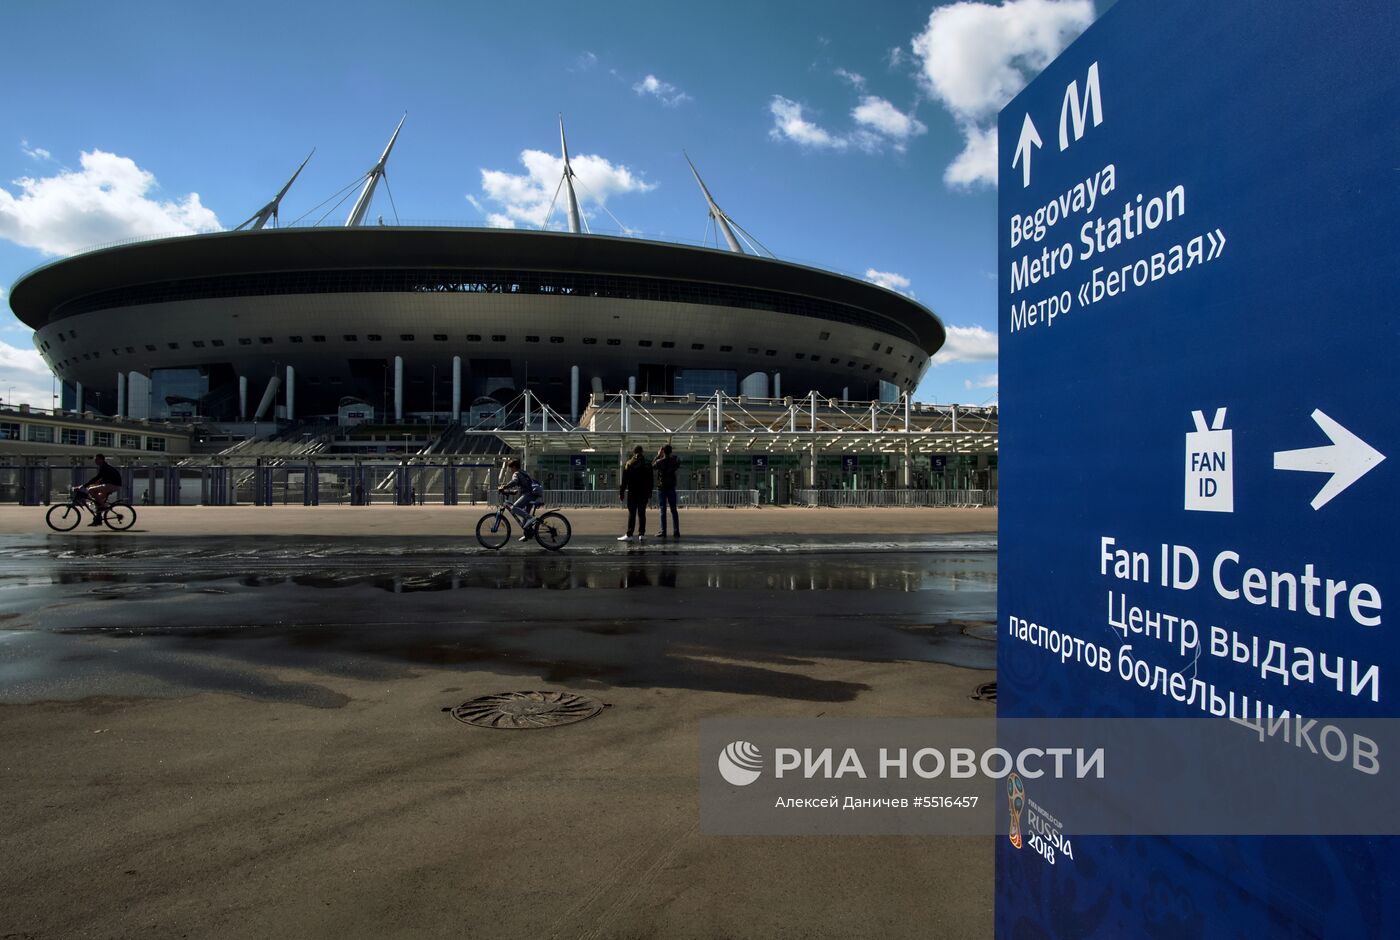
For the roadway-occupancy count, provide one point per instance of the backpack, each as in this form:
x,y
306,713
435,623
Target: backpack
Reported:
x,y
534,488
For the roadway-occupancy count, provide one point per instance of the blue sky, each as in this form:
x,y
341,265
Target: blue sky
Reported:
x,y
850,137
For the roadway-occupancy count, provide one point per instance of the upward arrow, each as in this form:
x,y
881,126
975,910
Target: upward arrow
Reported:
x,y
1348,458
1029,138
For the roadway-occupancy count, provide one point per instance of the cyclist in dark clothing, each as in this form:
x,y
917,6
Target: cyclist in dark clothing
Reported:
x,y
666,464
107,481
531,494
636,489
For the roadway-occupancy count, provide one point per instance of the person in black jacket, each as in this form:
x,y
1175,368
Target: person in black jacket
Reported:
x,y
666,464
107,482
636,489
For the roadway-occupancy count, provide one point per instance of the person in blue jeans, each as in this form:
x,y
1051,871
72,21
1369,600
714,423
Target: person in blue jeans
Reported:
x,y
666,464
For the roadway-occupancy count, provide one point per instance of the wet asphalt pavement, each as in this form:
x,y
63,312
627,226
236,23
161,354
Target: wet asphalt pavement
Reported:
x,y
126,616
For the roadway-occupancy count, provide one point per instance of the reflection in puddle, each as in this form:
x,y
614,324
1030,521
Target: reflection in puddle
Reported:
x,y
900,573
774,625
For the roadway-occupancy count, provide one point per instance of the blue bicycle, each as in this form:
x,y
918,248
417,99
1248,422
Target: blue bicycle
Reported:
x,y
551,529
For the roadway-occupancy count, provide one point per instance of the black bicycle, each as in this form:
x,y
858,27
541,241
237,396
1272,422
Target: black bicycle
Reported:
x,y
551,529
64,517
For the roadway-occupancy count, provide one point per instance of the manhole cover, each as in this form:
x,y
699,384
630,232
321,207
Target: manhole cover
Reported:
x,y
520,710
986,692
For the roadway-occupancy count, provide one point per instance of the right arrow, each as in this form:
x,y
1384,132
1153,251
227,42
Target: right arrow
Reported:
x,y
1348,458
1029,138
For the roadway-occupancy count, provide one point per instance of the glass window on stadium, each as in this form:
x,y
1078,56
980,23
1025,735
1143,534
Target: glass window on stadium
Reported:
x,y
73,436
206,391
131,441
706,381
41,433
101,438
9,431
177,393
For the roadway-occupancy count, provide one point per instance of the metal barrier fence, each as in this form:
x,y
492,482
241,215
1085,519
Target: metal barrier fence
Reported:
x,y
320,483
277,482
875,498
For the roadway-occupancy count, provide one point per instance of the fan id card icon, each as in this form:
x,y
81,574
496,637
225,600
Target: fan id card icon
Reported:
x,y
1210,465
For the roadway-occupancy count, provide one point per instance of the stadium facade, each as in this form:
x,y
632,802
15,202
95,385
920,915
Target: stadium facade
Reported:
x,y
403,321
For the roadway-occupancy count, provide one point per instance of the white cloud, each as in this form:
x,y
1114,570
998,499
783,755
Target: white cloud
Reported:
x,y
665,92
895,58
986,381
856,79
879,115
584,62
889,280
24,377
977,163
105,201
879,124
34,153
789,124
974,58
967,344
524,199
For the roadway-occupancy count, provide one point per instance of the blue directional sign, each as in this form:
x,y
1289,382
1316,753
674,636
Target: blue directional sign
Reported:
x,y
938,463
850,463
1199,317
760,461
578,461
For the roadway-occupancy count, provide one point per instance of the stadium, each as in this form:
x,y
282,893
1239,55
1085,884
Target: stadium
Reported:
x,y
400,323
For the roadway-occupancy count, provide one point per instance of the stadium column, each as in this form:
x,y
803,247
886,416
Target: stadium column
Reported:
x,y
398,389
269,396
631,385
573,394
242,398
78,397
777,385
716,464
121,394
291,393
846,394
456,388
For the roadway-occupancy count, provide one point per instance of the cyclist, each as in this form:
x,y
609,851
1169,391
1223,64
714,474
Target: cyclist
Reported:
x,y
531,494
107,482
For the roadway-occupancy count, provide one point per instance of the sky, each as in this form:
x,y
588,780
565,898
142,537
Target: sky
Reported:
x,y
859,138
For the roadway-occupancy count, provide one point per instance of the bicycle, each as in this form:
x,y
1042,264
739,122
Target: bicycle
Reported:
x,y
64,517
551,529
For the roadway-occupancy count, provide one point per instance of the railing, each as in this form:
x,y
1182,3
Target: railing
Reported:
x,y
876,498
279,481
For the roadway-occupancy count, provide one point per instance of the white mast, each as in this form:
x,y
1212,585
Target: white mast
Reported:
x,y
269,211
716,213
357,214
568,179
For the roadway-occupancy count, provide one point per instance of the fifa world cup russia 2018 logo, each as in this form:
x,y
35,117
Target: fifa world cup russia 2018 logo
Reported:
x,y
1016,798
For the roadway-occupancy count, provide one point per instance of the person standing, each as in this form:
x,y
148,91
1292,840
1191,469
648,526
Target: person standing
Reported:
x,y
636,490
666,464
